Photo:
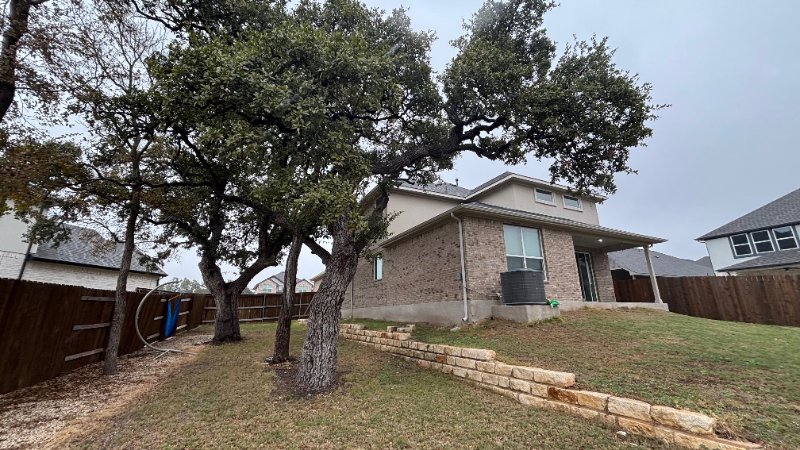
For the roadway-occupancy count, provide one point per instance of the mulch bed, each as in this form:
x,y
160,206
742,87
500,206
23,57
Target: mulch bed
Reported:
x,y
32,416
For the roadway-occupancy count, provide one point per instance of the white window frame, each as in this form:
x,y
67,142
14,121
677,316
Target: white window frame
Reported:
x,y
793,237
302,289
564,199
755,243
377,268
523,256
267,288
544,202
749,246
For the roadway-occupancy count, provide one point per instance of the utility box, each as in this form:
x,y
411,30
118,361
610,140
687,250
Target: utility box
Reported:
x,y
523,287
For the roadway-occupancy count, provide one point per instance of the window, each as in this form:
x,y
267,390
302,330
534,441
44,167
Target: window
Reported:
x,y
302,289
762,241
741,245
523,248
545,197
280,288
785,238
571,202
377,268
268,288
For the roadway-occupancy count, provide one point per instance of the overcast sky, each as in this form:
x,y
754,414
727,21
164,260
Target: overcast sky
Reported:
x,y
725,147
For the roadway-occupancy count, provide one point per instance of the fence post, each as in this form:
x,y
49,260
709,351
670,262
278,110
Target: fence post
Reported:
x,y
653,279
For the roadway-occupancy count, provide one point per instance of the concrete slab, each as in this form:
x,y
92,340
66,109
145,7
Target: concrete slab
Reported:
x,y
524,313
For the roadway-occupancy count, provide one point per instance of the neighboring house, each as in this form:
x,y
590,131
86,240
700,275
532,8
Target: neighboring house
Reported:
x,y
632,264
274,285
77,262
509,222
763,242
705,261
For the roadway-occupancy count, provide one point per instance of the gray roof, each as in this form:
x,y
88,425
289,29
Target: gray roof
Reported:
x,y
81,250
279,278
439,188
705,261
634,261
783,211
776,259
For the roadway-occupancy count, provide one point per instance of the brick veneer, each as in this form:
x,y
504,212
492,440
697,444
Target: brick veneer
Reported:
x,y
422,269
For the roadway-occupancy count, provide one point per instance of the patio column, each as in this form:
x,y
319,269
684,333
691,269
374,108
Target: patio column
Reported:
x,y
650,269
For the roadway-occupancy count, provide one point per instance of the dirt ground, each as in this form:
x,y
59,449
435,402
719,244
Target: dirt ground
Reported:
x,y
43,415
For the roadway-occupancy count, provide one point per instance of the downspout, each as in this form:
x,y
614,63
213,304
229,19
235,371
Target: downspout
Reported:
x,y
463,268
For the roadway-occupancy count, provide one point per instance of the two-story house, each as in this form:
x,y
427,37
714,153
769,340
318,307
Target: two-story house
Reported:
x,y
274,285
448,246
763,242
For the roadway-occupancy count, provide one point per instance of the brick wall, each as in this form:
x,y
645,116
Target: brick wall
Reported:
x,y
261,288
84,276
422,269
485,257
602,276
563,283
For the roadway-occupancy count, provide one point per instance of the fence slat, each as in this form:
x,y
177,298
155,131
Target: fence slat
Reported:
x,y
768,300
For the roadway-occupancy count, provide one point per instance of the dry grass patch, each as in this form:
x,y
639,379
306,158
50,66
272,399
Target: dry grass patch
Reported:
x,y
746,375
226,399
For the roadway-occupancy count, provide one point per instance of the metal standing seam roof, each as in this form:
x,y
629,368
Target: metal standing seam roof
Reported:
x,y
783,211
80,250
634,261
775,259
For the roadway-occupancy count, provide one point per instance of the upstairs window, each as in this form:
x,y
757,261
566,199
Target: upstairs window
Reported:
x,y
785,238
377,268
280,288
545,196
302,289
762,241
268,288
571,202
523,248
741,245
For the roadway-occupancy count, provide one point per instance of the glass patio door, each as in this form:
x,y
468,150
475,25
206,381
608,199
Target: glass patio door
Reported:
x,y
586,276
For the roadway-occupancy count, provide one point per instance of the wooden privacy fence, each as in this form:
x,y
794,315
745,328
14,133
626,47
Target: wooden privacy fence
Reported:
x,y
50,329
769,300
261,308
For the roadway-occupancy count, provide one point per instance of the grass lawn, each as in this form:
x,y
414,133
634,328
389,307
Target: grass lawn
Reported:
x,y
748,376
225,399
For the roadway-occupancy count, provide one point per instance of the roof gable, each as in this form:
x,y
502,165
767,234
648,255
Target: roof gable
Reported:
x,y
783,211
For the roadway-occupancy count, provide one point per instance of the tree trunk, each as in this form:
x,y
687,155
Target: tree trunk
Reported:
x,y
226,322
283,332
120,303
17,26
318,361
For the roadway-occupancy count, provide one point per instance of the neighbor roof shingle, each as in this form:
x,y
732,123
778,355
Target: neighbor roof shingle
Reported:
x,y
634,261
81,250
783,211
770,260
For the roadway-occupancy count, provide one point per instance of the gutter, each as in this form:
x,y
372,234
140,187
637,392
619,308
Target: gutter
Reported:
x,y
463,268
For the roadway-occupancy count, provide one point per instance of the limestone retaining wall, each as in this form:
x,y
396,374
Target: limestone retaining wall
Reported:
x,y
549,389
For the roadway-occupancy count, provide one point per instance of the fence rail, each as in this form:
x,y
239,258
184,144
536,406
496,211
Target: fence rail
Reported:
x,y
49,329
769,300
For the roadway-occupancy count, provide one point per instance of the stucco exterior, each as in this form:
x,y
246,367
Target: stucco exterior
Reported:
x,y
11,238
413,209
522,197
